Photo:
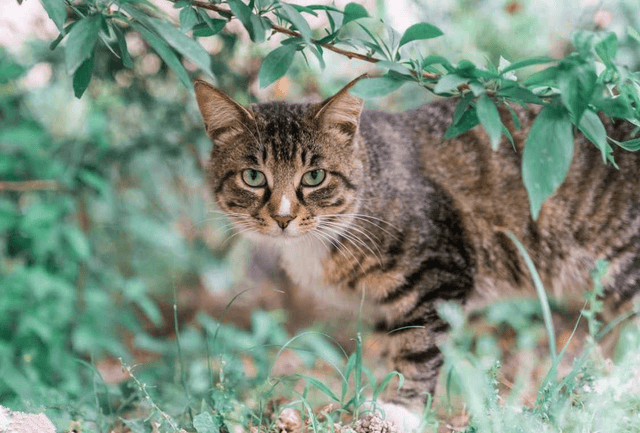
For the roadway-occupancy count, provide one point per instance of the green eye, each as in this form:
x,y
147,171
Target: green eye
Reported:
x,y
313,177
254,178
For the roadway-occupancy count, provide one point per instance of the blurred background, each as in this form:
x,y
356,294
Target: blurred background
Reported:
x,y
105,215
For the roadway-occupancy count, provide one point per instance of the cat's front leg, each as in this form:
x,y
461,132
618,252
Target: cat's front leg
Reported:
x,y
412,350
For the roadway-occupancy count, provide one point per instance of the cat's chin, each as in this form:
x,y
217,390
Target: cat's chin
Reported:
x,y
283,238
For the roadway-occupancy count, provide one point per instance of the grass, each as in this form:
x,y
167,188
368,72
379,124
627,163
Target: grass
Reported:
x,y
595,395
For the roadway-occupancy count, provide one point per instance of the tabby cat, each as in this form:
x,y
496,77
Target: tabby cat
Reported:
x,y
379,203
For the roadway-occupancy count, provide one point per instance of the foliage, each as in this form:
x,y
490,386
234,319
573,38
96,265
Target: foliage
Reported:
x,y
102,214
571,91
51,295
88,190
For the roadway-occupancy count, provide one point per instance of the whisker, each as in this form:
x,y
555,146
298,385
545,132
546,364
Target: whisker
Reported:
x,y
370,220
353,238
342,247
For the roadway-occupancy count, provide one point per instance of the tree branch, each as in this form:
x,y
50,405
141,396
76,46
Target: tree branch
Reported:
x,y
283,30
31,185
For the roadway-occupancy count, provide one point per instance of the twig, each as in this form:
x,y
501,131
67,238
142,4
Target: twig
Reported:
x,y
31,185
283,30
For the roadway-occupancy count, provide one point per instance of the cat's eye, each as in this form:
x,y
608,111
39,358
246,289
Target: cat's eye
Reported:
x,y
313,177
254,178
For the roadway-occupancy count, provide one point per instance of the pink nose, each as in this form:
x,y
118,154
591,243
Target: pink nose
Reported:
x,y
283,221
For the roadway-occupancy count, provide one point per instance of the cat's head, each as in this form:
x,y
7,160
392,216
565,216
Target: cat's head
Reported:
x,y
284,171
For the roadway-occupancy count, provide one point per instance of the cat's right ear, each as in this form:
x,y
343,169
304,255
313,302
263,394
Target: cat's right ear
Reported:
x,y
342,110
219,112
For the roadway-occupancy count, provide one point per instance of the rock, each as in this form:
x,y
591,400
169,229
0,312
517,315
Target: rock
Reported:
x,y
20,422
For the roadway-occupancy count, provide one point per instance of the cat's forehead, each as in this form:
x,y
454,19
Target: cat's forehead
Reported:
x,y
284,130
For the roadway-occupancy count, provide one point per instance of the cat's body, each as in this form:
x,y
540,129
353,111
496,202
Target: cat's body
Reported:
x,y
412,220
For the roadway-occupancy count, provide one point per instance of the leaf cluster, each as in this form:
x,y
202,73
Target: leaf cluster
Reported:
x,y
572,91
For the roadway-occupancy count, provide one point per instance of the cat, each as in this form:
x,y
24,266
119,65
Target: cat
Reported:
x,y
379,203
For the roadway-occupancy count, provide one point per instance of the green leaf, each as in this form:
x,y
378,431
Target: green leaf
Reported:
x,y
320,386
164,52
468,120
490,119
506,132
449,83
547,155
439,60
242,12
276,64
613,107
514,117
543,77
577,84
297,20
476,87
81,41
205,423
122,44
525,63
186,46
394,66
461,108
78,242
420,31
188,18
8,214
183,44
39,216
209,29
258,28
633,33
520,95
316,49
592,128
607,48
57,11
352,12
10,71
377,86
82,77
385,382
630,145
583,41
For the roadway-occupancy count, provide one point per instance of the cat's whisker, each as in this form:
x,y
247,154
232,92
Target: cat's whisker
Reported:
x,y
240,232
352,237
322,241
365,216
369,220
341,247
337,245
350,226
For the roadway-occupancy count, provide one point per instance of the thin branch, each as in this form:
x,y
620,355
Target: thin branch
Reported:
x,y
31,185
283,30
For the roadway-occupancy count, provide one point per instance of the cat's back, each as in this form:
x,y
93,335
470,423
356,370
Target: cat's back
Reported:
x,y
594,214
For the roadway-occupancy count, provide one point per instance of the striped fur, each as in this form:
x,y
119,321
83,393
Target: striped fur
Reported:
x,y
412,220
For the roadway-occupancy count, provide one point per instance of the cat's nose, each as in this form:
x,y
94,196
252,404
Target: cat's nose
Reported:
x,y
283,221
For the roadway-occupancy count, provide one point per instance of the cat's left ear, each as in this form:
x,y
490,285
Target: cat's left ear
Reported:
x,y
341,110
219,112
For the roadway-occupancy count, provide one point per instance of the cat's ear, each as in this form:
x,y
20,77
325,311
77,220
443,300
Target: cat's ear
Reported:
x,y
218,110
342,110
